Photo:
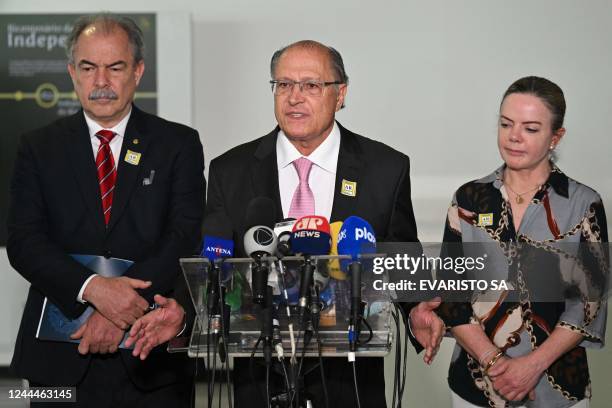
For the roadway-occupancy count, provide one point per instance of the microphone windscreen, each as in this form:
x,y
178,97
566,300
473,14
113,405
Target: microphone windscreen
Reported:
x,y
310,236
283,230
260,240
356,237
260,211
217,241
334,264
218,224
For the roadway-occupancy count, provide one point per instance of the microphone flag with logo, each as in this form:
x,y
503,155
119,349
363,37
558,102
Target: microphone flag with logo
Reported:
x,y
311,236
217,241
356,237
334,264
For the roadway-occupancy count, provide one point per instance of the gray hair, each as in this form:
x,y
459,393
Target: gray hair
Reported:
x,y
334,57
107,23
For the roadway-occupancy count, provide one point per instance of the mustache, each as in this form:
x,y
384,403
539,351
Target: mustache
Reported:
x,y
102,93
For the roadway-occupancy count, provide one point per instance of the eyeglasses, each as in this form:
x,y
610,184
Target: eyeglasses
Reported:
x,y
310,87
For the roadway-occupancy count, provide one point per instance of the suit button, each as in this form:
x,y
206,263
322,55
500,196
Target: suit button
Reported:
x,y
107,254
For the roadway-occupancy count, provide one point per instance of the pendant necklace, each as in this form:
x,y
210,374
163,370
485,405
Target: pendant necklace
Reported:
x,y
519,197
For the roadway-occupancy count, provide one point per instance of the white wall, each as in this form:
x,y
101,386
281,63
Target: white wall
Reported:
x,y
426,78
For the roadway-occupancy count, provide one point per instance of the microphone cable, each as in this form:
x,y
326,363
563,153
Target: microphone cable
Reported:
x,y
401,359
281,269
398,357
251,366
315,324
211,382
268,386
370,334
223,307
197,322
353,363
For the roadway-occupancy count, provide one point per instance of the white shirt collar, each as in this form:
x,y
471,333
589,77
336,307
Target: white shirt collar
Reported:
x,y
324,156
119,128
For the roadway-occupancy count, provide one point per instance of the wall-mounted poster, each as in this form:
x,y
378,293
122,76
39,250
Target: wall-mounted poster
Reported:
x,y
35,88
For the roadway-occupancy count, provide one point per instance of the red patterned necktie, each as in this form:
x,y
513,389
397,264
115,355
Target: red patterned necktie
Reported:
x,y
107,172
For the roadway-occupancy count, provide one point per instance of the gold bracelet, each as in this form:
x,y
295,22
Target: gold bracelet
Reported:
x,y
492,362
485,356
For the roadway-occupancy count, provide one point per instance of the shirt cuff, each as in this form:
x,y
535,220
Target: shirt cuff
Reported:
x,y
410,326
80,295
184,326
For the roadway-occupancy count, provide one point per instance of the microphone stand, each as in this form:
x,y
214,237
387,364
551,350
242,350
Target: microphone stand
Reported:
x,y
214,326
355,319
267,334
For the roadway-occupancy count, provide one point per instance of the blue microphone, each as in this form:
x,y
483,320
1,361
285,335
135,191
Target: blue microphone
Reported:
x,y
217,244
215,248
356,237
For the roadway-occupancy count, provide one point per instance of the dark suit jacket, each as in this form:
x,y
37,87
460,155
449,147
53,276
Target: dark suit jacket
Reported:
x,y
55,210
383,199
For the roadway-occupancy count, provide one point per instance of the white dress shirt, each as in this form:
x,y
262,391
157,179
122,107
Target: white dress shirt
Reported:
x,y
115,146
322,177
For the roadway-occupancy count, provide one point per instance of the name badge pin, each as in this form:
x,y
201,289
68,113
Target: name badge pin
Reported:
x,y
132,158
349,188
485,220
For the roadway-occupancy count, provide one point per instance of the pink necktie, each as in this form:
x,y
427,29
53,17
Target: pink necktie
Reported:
x,y
303,202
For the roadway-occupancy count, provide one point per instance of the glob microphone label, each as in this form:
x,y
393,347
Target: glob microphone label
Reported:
x,y
363,233
358,234
263,236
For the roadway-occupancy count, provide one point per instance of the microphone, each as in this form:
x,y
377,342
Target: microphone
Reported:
x,y
260,241
310,236
356,237
267,330
217,244
283,230
277,340
334,264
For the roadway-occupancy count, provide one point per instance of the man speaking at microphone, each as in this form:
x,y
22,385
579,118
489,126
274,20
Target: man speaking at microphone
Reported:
x,y
308,165
311,165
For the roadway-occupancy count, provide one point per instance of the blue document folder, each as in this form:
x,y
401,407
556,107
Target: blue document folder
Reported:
x,y
54,325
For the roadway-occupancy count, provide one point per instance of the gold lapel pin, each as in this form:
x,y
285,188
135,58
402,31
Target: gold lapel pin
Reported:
x,y
135,141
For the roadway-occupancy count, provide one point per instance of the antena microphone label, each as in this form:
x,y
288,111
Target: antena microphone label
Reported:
x,y
218,250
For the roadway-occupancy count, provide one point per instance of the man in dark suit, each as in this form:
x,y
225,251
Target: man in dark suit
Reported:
x,y
340,174
310,84
113,181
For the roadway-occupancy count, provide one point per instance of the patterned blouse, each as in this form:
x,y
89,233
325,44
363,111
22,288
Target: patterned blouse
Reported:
x,y
562,211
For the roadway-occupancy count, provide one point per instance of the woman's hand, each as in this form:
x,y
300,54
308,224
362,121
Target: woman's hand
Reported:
x,y
514,378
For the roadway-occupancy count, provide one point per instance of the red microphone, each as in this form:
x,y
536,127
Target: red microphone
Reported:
x,y
311,236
